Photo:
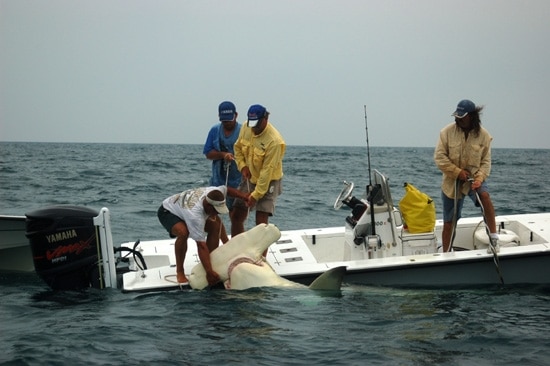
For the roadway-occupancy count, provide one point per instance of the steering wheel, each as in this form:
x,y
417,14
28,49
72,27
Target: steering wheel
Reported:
x,y
344,194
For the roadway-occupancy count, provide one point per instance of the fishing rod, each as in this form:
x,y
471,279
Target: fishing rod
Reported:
x,y
370,188
368,148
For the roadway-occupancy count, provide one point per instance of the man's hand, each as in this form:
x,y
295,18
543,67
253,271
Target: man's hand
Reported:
x,y
212,277
246,173
476,184
463,175
251,201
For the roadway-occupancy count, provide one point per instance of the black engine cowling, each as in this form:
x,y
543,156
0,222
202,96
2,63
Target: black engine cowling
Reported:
x,y
64,245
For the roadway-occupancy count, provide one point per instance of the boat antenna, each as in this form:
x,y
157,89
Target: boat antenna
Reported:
x,y
368,148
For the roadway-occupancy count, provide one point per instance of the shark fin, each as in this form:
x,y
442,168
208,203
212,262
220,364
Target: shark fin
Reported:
x,y
330,280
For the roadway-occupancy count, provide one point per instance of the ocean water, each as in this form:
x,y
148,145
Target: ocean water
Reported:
x,y
362,325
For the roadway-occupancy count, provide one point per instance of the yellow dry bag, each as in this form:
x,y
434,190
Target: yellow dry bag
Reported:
x,y
418,210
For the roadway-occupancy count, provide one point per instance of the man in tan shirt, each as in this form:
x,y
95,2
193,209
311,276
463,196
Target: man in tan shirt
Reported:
x,y
463,154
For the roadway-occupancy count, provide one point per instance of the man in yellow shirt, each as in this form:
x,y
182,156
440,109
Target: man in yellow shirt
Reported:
x,y
259,152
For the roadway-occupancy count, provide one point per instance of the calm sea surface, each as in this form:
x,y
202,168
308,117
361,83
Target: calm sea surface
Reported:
x,y
364,325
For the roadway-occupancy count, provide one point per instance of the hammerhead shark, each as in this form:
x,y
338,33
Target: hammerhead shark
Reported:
x,y
240,264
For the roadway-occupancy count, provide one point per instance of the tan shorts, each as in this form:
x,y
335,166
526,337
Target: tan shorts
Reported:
x,y
267,202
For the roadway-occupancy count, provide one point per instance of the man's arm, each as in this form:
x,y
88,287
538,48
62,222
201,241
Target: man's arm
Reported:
x,y
485,163
219,155
235,193
204,255
442,160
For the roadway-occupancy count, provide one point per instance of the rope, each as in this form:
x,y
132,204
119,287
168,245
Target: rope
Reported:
x,y
227,166
181,284
248,189
492,245
455,218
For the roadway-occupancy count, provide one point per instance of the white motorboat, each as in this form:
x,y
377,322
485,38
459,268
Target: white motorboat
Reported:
x,y
389,255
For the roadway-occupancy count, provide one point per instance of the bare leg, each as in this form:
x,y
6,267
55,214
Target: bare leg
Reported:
x,y
446,235
180,248
262,218
237,220
232,219
223,233
213,227
489,211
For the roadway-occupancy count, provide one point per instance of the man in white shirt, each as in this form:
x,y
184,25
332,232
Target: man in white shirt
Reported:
x,y
194,213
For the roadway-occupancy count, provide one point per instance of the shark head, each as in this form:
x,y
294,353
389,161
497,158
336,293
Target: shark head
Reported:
x,y
249,245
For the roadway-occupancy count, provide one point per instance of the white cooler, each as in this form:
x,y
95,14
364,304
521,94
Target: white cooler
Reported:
x,y
422,243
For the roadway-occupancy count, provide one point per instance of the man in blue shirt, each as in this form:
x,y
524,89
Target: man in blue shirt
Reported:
x,y
219,148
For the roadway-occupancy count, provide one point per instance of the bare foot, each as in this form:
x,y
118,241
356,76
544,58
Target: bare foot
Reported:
x,y
181,277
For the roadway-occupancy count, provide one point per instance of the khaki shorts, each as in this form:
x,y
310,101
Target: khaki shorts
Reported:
x,y
267,202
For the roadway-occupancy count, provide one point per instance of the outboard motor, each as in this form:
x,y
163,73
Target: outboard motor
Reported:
x,y
65,246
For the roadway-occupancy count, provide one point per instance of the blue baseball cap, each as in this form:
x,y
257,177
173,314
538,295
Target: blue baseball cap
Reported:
x,y
464,107
227,111
255,113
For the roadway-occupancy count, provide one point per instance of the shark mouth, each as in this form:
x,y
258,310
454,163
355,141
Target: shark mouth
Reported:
x,y
235,263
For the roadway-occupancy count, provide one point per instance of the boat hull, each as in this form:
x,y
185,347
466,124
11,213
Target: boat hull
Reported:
x,y
514,268
302,255
15,252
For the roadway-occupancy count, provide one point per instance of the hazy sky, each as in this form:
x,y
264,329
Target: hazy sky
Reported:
x,y
155,71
